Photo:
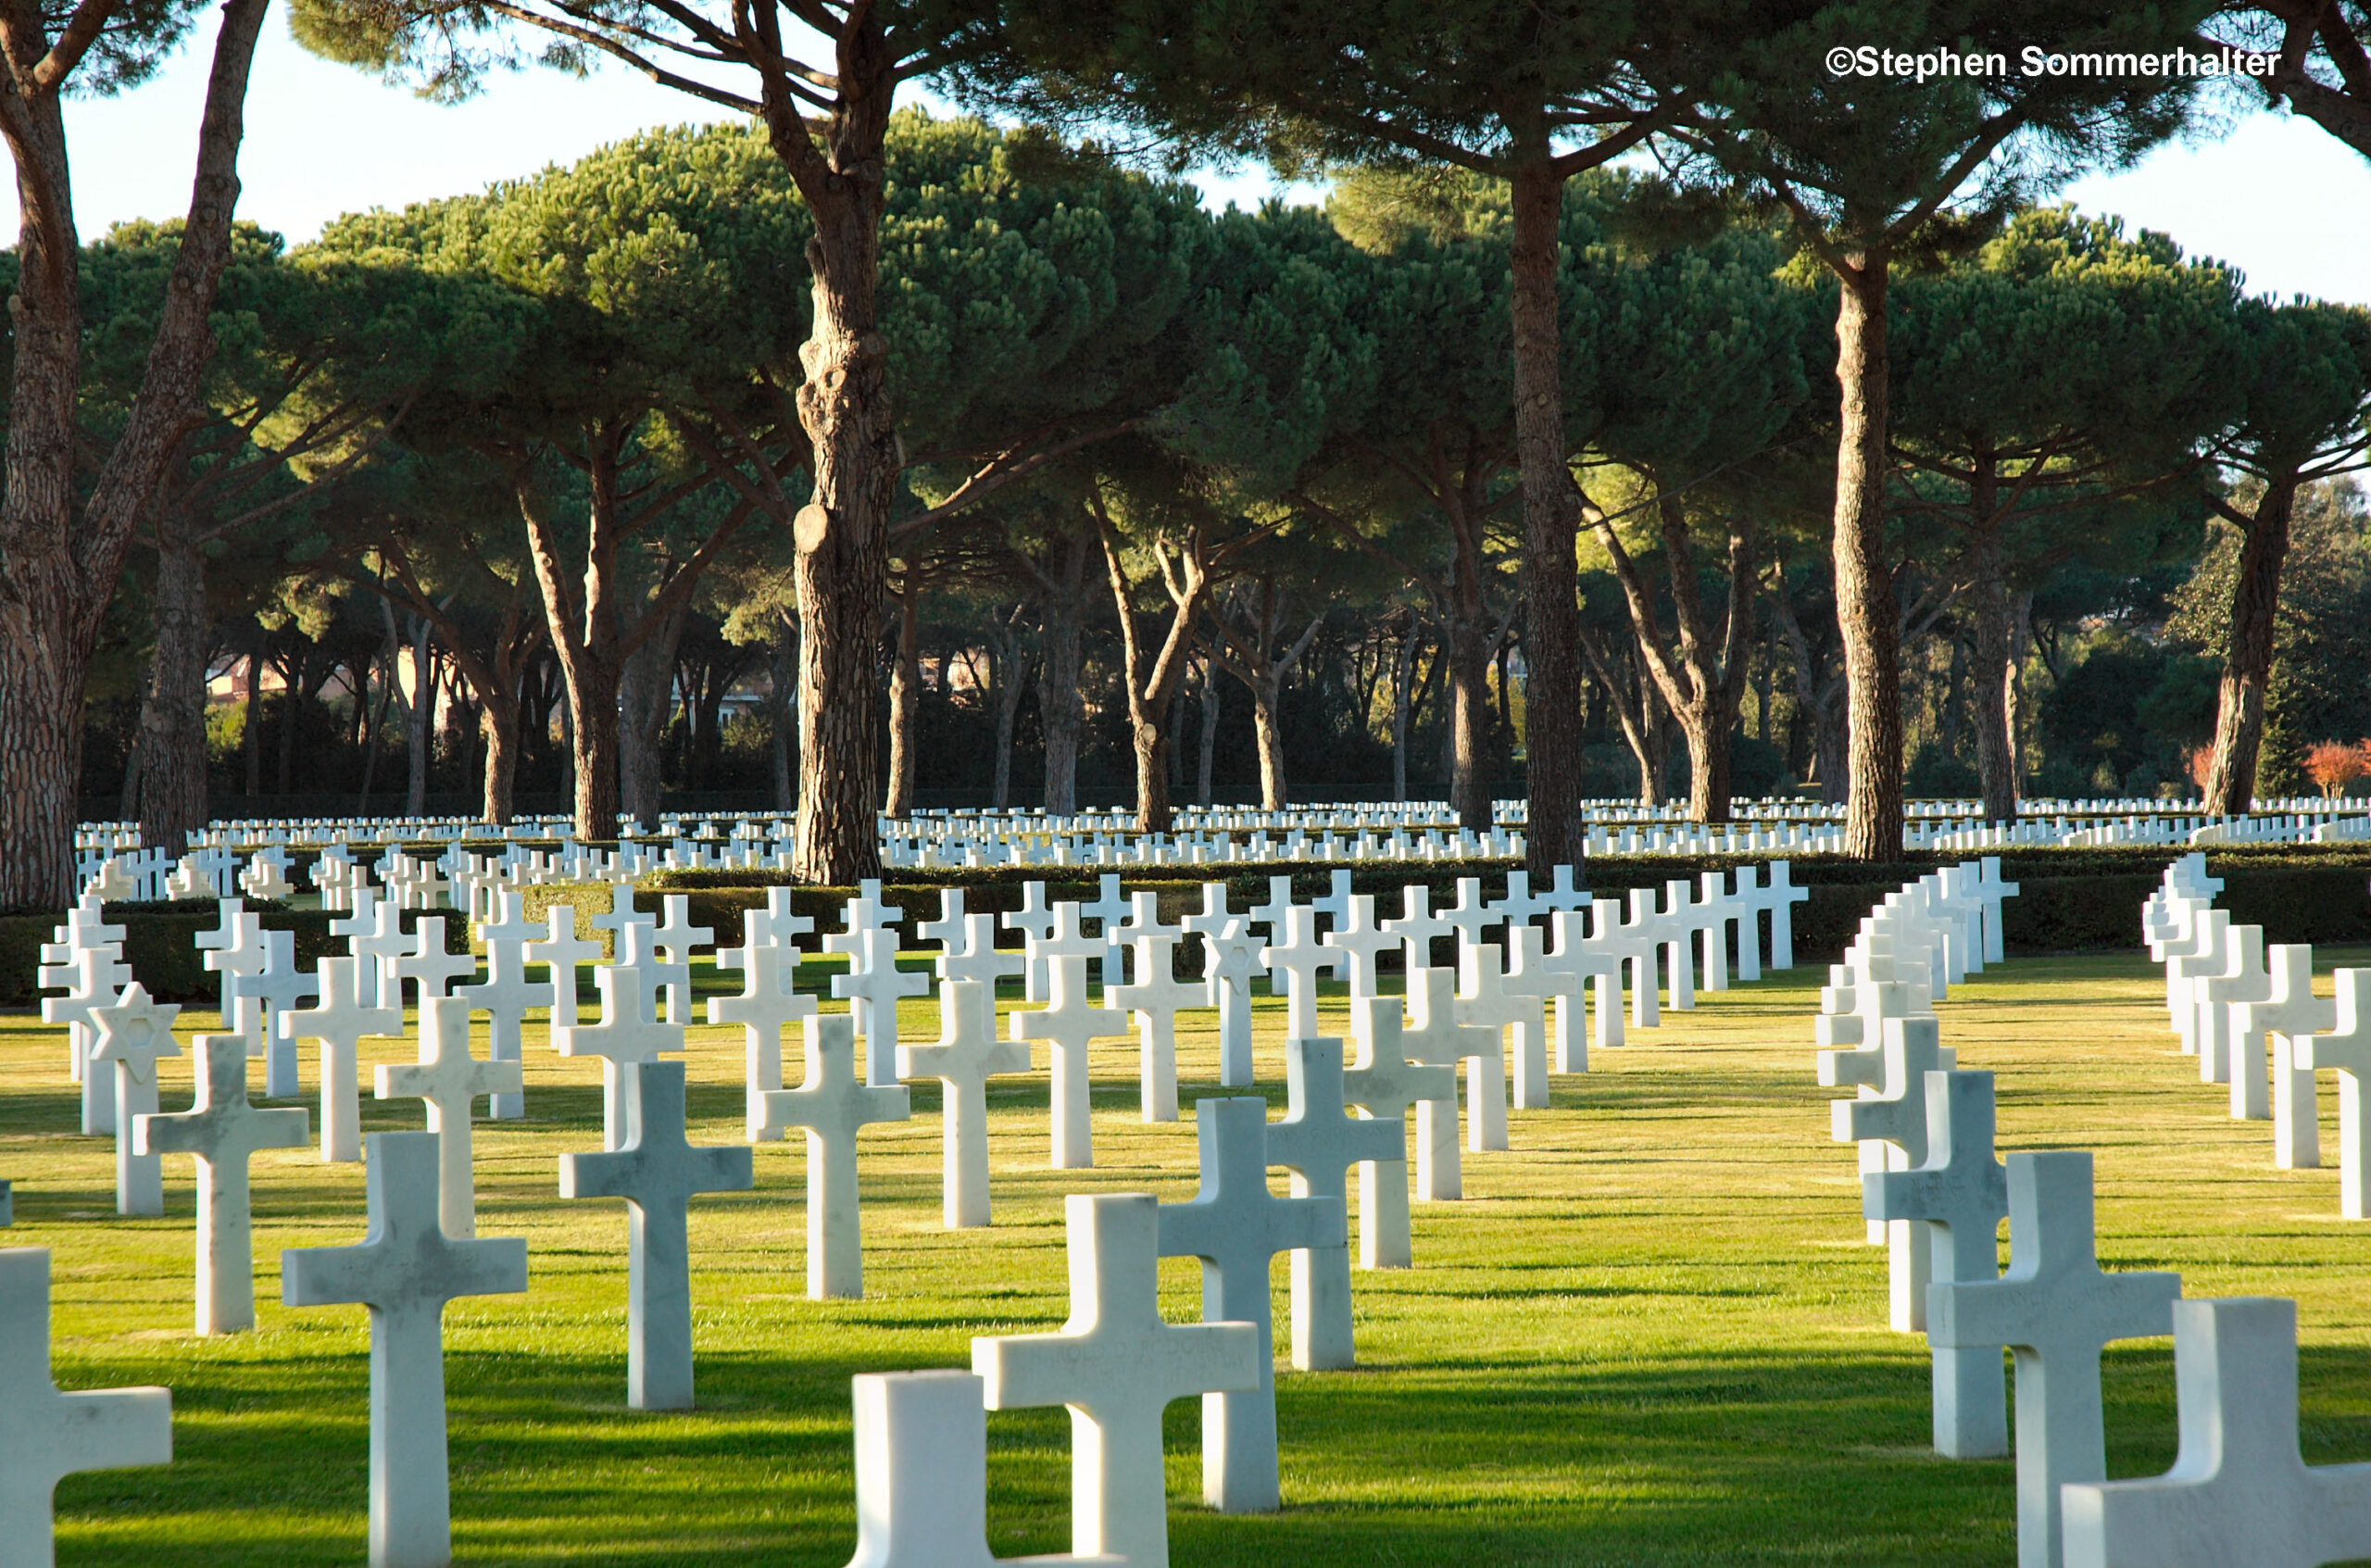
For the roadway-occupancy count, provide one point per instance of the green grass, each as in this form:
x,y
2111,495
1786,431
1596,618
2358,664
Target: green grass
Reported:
x,y
1650,1335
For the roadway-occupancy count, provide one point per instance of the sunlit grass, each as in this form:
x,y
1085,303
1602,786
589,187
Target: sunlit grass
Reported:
x,y
1650,1335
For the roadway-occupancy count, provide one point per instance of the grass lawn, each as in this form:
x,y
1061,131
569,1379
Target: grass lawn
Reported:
x,y
1651,1334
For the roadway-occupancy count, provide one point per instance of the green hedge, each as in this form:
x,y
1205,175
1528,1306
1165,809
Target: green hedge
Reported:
x,y
160,945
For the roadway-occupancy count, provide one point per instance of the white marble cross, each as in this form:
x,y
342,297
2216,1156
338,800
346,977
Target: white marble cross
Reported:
x,y
1271,916
1319,1141
1362,942
922,1473
982,960
1961,1194
132,1035
2289,1010
966,1054
221,1129
1582,959
1230,963
872,987
273,991
1486,1000
405,1270
629,1031
1680,920
504,995
1745,895
1117,1365
563,950
651,973
1155,998
339,1020
2055,1310
1416,927
447,1077
1236,1226
621,912
834,1108
1383,1083
2240,1494
1896,1115
658,1173
2243,978
765,1004
1068,1025
1470,917
378,948
1035,920
49,1435
428,966
95,979
1435,1036
675,938
949,930
2346,1050
1562,994
1295,962
1109,908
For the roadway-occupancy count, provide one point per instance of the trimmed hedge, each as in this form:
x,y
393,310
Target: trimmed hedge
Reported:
x,y
160,945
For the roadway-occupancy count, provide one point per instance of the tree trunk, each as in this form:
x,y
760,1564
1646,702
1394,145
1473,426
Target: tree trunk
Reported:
x,y
646,697
1059,708
1210,737
1267,723
1865,613
420,720
1403,679
172,727
905,696
1990,671
378,724
1470,785
251,724
843,532
593,750
295,694
498,726
2247,666
59,560
1551,618
782,667
1011,684
2020,639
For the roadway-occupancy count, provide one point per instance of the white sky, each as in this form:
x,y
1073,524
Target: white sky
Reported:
x,y
2280,198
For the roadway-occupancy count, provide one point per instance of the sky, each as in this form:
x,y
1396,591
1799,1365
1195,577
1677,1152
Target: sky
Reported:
x,y
2280,198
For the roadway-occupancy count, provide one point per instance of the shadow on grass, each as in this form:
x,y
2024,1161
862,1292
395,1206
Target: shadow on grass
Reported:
x,y
1575,1457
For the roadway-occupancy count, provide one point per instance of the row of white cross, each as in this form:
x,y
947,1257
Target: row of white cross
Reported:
x,y
2249,1016
2239,1494
422,1219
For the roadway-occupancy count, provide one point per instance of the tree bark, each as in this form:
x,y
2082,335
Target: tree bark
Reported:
x,y
498,728
296,691
1210,737
59,560
1472,787
1866,615
2247,666
1403,677
1058,706
251,722
1551,617
843,532
419,719
1004,641
1989,671
173,719
904,694
646,699
782,666
1152,674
